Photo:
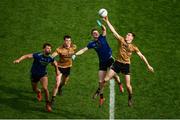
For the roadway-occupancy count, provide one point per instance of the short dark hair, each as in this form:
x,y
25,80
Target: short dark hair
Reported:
x,y
133,34
67,36
46,44
94,29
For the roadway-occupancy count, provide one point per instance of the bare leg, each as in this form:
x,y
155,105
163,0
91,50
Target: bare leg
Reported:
x,y
99,91
58,80
116,78
64,81
109,75
44,83
35,87
37,90
129,89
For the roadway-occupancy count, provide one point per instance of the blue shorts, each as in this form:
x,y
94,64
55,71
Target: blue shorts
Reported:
x,y
105,65
36,78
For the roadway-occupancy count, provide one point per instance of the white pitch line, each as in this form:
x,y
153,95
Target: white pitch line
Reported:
x,y
111,100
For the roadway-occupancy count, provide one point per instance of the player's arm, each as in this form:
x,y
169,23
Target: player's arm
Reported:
x,y
145,61
80,52
118,37
28,56
54,54
56,67
103,30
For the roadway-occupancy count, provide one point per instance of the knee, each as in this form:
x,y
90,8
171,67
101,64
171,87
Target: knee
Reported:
x,y
128,85
57,85
107,78
45,88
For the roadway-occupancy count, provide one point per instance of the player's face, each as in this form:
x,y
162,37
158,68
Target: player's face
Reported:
x,y
47,50
95,34
67,42
129,38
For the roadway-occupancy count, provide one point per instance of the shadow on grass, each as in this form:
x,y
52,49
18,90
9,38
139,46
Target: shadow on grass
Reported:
x,y
17,99
65,114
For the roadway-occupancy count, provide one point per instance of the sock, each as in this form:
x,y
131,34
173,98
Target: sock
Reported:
x,y
101,95
98,90
130,96
47,101
53,98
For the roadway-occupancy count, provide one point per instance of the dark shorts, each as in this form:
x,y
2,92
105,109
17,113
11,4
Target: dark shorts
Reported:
x,y
65,71
105,65
121,67
36,78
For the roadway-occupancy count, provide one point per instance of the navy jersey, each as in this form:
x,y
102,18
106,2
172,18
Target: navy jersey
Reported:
x,y
40,63
102,48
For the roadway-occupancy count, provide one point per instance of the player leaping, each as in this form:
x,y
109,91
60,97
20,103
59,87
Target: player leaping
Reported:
x,y
39,72
122,63
104,52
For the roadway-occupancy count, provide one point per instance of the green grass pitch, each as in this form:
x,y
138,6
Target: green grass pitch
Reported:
x,y
26,24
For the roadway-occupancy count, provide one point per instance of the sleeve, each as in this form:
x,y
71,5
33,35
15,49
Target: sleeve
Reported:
x,y
102,36
74,47
57,50
136,49
121,40
52,59
91,45
36,55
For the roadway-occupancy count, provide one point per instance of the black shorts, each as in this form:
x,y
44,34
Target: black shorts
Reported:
x,y
121,67
105,65
36,78
65,71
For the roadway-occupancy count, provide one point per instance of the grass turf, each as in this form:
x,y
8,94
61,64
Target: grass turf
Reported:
x,y
26,24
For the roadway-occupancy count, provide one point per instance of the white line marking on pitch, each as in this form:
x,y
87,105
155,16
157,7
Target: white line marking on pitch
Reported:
x,y
111,99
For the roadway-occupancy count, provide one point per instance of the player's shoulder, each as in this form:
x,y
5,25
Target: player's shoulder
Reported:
x,y
121,40
135,48
133,45
59,48
102,36
74,46
92,43
51,57
38,53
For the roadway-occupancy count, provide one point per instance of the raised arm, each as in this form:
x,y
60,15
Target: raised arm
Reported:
x,y
118,37
145,61
56,67
28,56
103,30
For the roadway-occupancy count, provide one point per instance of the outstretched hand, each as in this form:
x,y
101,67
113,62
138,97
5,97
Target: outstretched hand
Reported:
x,y
16,61
105,18
150,68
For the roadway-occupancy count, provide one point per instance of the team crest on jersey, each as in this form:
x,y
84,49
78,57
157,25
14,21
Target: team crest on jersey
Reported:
x,y
44,61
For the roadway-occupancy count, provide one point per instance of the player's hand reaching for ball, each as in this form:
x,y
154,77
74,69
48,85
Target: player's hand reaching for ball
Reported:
x,y
105,18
